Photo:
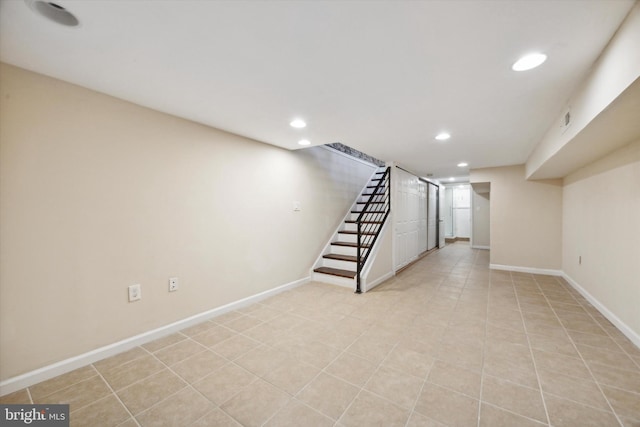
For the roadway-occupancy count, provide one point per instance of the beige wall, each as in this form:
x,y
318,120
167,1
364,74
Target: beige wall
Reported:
x,y
98,194
616,68
601,223
525,218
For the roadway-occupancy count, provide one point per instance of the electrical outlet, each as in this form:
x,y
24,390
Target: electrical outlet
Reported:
x,y
135,292
173,284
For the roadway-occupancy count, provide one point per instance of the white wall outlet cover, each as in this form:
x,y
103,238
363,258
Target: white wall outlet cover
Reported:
x,y
135,292
173,284
296,206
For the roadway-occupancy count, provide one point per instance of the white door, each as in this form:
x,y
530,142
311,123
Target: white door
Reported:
x,y
448,216
423,189
462,222
462,211
441,192
406,218
432,216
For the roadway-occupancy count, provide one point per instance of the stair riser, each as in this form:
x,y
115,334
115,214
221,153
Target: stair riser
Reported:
x,y
342,265
372,228
369,192
334,280
364,199
372,206
350,227
377,216
343,250
351,238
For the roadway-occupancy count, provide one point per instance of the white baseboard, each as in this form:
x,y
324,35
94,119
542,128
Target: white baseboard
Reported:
x,y
623,327
544,271
481,247
379,280
47,372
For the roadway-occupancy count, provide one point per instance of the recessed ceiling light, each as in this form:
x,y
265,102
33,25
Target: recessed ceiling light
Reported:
x,y
443,136
53,12
298,124
528,62
463,165
304,142
452,179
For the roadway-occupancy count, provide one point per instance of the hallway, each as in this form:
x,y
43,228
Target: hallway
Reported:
x,y
446,342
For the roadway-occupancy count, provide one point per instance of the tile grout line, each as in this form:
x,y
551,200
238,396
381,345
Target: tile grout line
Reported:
x,y
426,377
613,411
361,388
234,360
294,396
535,365
188,384
65,387
484,342
377,368
113,392
542,423
565,397
321,371
425,381
368,379
415,403
484,350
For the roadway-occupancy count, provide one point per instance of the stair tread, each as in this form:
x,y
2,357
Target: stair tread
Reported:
x,y
380,212
339,257
336,272
350,244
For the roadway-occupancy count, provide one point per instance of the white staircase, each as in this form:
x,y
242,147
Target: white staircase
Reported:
x,y
338,263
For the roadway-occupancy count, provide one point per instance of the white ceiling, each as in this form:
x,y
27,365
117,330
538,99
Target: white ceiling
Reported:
x,y
383,77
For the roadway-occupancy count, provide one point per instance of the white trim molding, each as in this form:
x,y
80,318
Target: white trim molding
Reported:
x,y
622,327
62,367
481,247
532,270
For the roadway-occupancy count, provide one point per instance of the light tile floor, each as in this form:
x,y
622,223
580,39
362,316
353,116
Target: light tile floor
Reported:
x,y
447,342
